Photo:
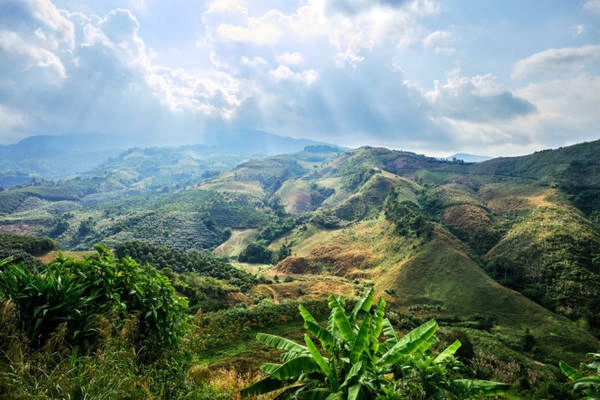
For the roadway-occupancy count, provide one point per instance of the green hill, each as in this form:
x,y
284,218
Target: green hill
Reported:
x,y
504,253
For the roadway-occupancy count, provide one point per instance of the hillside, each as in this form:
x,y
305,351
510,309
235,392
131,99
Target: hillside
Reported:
x,y
499,250
60,156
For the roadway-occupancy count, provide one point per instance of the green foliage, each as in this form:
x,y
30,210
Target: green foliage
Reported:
x,y
32,245
256,253
407,217
80,294
201,262
551,256
202,292
19,248
588,385
354,363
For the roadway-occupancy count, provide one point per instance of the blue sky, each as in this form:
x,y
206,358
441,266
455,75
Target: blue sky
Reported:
x,y
435,77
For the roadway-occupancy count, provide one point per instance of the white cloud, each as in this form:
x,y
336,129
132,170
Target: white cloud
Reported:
x,y
58,28
339,36
11,120
104,81
479,98
556,61
265,30
440,42
566,105
436,38
283,73
592,6
31,55
294,58
253,62
578,30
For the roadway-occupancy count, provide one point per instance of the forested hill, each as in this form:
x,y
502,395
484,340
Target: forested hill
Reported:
x,y
506,251
60,156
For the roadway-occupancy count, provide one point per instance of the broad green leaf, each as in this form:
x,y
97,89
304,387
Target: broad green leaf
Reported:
x,y
448,352
377,326
311,324
389,332
269,367
362,340
341,321
280,343
364,303
321,361
482,387
353,373
294,368
306,315
353,392
325,337
263,386
336,396
314,394
411,342
587,382
569,371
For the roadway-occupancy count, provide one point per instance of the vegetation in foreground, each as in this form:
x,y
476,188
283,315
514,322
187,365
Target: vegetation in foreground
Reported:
x,y
361,365
107,328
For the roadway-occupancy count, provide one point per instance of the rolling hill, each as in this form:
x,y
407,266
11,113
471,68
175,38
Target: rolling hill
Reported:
x,y
497,247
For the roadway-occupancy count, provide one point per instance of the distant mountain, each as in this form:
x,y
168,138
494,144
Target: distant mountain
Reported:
x,y
59,156
52,157
469,158
252,142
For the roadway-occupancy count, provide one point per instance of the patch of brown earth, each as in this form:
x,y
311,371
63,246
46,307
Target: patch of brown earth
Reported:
x,y
19,229
349,262
303,290
297,265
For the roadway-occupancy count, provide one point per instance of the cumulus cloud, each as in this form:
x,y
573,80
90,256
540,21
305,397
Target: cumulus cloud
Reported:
x,y
353,7
479,98
283,73
323,69
345,36
592,6
287,58
566,106
557,61
440,42
253,62
96,74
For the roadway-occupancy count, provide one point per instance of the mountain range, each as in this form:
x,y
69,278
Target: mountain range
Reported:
x,y
60,156
505,246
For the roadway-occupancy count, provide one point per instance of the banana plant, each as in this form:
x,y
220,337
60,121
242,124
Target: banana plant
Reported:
x,y
348,359
587,386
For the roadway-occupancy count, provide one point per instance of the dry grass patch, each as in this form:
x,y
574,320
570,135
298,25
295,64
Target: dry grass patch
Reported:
x,y
238,240
77,255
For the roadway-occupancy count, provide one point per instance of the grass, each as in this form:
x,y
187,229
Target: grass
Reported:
x,y
239,239
443,274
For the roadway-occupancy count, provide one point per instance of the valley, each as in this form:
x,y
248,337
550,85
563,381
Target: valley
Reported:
x,y
503,253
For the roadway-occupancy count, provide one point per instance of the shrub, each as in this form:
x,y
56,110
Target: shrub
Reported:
x,y
76,293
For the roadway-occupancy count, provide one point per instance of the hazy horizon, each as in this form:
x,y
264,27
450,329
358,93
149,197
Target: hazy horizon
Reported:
x,y
433,77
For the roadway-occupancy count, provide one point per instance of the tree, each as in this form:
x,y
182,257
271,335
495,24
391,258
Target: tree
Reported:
x,y
361,366
256,253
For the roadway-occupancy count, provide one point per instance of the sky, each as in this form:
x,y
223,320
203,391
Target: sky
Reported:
x,y
496,78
